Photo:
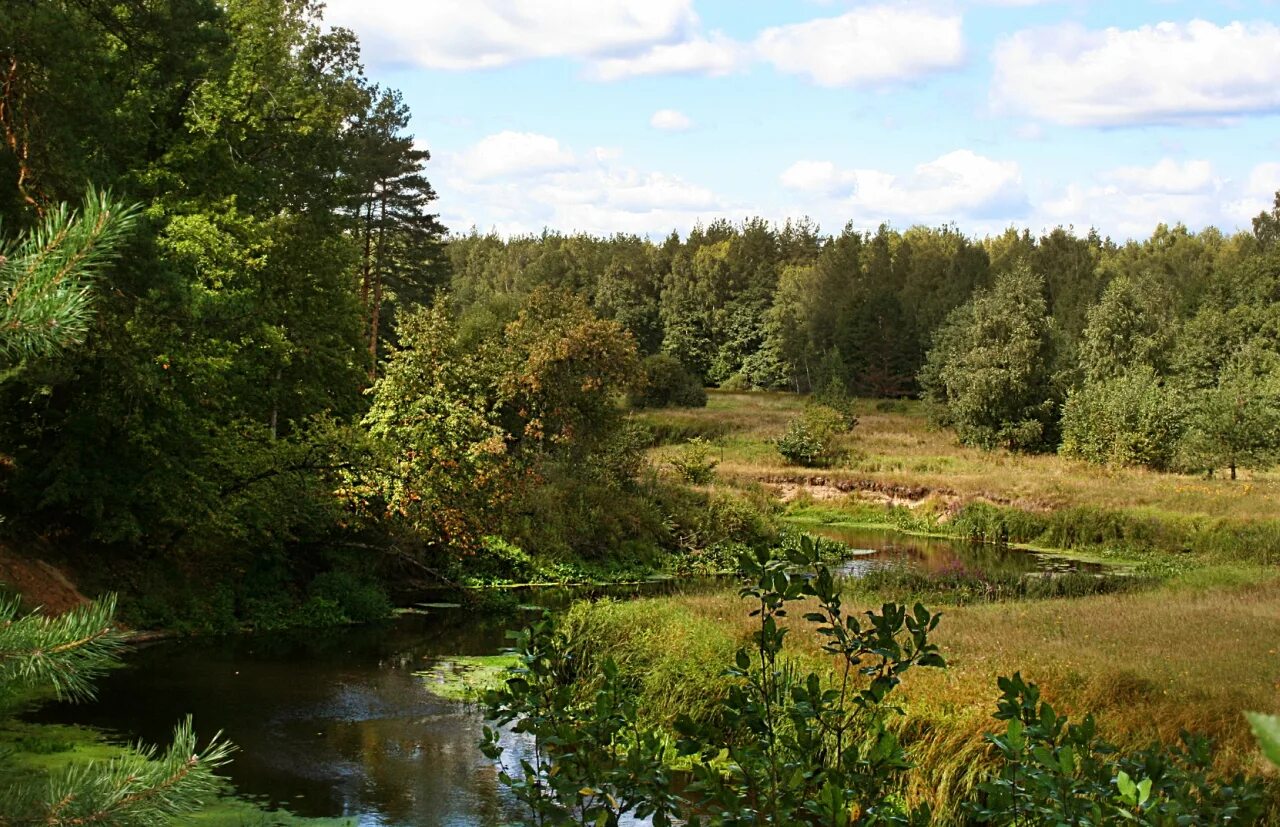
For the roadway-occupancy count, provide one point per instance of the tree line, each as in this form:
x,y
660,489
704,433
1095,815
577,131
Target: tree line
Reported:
x,y
1157,351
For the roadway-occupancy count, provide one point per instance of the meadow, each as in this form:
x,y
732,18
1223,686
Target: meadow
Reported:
x,y
895,447
1189,647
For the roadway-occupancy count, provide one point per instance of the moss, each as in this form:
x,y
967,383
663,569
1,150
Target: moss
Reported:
x,y
467,678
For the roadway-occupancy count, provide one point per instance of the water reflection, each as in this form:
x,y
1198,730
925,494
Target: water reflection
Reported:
x,y
337,724
937,556
332,724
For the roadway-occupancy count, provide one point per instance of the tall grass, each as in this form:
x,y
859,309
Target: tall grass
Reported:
x,y
1148,664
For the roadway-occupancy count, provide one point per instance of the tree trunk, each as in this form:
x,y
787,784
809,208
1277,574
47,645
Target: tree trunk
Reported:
x,y
375,309
1233,470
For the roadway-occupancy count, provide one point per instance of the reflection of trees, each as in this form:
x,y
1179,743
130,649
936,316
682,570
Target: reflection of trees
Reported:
x,y
932,556
329,723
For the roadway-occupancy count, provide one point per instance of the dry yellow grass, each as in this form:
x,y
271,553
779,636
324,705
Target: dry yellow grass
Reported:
x,y
1148,665
900,447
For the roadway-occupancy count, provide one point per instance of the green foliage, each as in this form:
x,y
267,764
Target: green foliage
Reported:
x,y
142,787
47,275
1132,419
666,383
801,747
590,762
1267,729
1052,771
64,653
798,747
810,438
694,462
1236,422
359,600
988,374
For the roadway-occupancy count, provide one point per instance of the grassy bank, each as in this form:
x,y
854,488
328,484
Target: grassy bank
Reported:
x,y
1148,664
1187,641
895,447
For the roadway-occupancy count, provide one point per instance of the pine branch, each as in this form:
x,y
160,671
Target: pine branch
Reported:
x,y
139,789
65,652
46,275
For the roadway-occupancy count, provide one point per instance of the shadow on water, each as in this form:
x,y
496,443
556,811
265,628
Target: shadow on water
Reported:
x,y
337,723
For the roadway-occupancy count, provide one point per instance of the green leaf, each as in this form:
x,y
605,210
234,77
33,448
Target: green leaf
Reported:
x,y
1267,730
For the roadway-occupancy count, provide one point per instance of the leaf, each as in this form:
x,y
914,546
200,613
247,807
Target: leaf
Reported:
x,y
1267,730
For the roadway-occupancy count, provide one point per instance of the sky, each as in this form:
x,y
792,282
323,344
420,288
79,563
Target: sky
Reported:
x,y
647,116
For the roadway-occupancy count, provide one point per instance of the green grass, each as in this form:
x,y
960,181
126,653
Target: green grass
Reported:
x,y
896,445
1188,642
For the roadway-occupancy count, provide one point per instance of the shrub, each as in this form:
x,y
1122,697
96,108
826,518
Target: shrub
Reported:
x,y
1129,420
359,600
810,438
667,383
694,462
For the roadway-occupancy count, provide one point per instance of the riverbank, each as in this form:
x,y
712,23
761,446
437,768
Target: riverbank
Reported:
x,y
1181,651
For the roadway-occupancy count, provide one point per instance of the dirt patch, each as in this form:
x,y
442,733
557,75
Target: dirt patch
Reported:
x,y
40,584
823,488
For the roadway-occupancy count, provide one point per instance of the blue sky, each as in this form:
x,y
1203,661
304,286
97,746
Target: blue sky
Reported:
x,y
648,115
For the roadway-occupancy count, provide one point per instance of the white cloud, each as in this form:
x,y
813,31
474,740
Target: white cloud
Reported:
x,y
670,120
513,154
1257,195
715,55
473,34
1164,73
867,46
590,191
1167,176
818,177
1128,202
959,185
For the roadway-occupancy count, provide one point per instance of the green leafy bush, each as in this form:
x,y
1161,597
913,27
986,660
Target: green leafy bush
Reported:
x,y
666,383
694,462
810,438
1052,771
358,600
1133,419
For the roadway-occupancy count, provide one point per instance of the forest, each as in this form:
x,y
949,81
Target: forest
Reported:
x,y
249,381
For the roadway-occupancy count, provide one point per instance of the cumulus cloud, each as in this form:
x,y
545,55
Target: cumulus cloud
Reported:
x,y
957,186
475,34
670,120
1164,73
866,46
1128,202
1167,176
513,154
590,191
715,55
1257,194
821,177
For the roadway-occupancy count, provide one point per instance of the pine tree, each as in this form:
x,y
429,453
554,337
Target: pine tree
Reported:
x,y
46,278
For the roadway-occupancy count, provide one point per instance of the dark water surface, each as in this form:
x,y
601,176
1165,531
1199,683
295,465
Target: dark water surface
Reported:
x,y
335,723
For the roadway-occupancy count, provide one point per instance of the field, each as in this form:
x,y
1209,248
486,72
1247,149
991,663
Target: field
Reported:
x,y
895,447
1192,650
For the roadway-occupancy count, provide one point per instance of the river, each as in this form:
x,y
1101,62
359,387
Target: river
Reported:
x,y
339,723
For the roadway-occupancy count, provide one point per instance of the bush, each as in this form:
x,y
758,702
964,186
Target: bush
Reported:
x,y
358,600
667,383
810,438
694,462
1129,420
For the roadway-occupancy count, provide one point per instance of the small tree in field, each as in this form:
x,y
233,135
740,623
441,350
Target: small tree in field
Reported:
x,y
988,372
1236,423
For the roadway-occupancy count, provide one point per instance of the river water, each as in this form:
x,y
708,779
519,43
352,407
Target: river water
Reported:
x,y
337,723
